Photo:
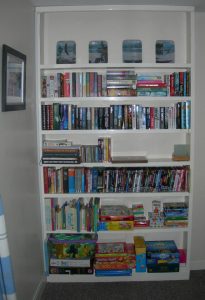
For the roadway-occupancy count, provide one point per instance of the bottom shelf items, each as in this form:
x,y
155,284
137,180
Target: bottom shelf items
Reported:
x,y
80,257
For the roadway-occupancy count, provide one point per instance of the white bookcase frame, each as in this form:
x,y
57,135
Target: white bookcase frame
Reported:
x,y
46,22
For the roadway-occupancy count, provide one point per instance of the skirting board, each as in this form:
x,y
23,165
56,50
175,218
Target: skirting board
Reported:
x,y
39,290
197,265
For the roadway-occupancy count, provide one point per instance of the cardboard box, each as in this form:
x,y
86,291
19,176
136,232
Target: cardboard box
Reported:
x,y
140,250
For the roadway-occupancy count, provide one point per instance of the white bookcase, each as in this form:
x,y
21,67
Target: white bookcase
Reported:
x,y
115,24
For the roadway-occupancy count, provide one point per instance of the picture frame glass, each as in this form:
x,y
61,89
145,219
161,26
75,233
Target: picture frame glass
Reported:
x,y
66,52
13,79
98,52
165,51
132,51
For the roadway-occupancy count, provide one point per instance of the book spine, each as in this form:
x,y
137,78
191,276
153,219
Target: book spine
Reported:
x,y
71,180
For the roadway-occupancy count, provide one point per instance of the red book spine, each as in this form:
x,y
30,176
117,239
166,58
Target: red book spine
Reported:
x,y
67,84
151,117
181,83
91,84
172,89
45,179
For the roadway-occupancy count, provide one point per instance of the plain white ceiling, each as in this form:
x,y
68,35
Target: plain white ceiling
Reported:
x,y
198,4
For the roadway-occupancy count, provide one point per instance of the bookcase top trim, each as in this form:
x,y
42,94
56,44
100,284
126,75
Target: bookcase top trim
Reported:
x,y
45,9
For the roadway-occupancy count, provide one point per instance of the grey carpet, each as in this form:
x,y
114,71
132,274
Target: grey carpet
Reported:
x,y
193,289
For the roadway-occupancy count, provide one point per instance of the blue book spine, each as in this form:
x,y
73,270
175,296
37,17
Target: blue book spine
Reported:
x,y
115,116
71,180
188,114
82,181
78,214
94,180
185,84
183,115
84,117
65,116
73,107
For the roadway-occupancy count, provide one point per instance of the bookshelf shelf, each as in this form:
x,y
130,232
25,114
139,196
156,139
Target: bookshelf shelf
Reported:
x,y
183,274
116,131
136,231
103,101
119,195
156,144
138,66
150,163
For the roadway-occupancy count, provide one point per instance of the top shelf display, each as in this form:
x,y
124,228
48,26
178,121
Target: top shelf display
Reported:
x,y
150,32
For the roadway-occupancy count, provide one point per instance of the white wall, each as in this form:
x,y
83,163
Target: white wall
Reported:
x,y
198,236
18,170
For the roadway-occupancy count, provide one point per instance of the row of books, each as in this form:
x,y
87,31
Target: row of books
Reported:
x,y
76,154
59,116
112,180
75,215
155,84
115,83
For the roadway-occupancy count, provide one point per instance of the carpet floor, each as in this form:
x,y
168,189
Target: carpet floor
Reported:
x,y
193,289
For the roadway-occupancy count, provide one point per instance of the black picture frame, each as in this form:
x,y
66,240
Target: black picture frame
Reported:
x,y
13,79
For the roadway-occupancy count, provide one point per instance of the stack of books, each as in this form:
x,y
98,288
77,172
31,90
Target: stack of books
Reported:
x,y
121,83
162,256
56,152
114,259
151,84
115,217
176,214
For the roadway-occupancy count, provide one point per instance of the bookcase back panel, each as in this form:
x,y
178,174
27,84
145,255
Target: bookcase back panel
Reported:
x,y
114,27
151,145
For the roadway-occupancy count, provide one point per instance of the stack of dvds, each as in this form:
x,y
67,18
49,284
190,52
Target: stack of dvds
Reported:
x,y
151,84
114,259
162,256
121,83
176,214
115,217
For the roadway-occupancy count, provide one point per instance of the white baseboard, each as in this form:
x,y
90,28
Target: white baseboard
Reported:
x,y
40,288
197,265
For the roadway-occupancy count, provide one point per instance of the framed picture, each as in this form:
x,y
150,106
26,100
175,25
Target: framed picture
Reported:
x,y
13,79
132,51
66,52
165,51
98,52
